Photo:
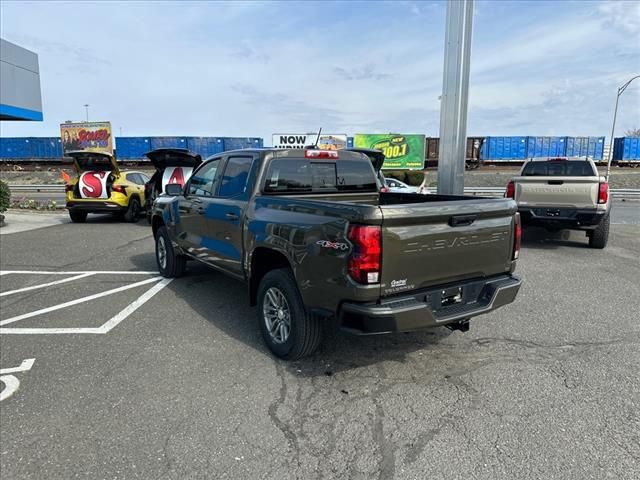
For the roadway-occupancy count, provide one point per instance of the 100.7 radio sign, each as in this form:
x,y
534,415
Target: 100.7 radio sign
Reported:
x,y
402,152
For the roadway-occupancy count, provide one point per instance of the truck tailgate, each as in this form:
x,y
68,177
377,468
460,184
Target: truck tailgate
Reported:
x,y
425,244
576,192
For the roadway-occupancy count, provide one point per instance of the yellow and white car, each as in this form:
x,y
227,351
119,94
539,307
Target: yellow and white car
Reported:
x,y
101,187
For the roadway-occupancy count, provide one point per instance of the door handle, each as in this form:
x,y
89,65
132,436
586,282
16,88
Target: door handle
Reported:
x,y
231,216
462,220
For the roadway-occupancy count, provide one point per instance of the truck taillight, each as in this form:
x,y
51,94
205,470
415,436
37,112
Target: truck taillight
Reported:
x,y
511,190
119,189
364,263
603,192
517,236
326,154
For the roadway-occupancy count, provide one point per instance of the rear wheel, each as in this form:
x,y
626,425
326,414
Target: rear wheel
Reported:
x,y
170,263
600,236
287,328
78,217
131,215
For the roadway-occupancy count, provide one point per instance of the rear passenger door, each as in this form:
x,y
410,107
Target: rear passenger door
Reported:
x,y
135,185
225,214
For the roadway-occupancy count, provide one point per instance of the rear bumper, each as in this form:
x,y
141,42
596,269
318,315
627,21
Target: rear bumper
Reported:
x,y
561,217
424,309
95,206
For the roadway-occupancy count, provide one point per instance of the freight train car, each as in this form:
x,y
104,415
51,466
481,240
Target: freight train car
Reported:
x,y
134,148
26,148
626,150
591,147
472,155
505,149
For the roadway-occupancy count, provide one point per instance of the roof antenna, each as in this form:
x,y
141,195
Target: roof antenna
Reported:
x,y
317,138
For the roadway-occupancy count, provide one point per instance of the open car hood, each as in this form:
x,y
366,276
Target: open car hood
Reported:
x,y
173,157
85,160
376,156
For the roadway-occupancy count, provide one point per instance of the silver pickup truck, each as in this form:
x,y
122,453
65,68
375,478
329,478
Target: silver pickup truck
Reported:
x,y
563,193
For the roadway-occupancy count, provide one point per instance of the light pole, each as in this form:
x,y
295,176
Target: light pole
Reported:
x,y
455,95
86,107
613,127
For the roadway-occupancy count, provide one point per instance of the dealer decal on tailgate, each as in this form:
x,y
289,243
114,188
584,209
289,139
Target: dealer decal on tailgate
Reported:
x,y
179,175
94,184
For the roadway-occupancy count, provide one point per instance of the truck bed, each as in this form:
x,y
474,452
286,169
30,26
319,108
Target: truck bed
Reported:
x,y
427,240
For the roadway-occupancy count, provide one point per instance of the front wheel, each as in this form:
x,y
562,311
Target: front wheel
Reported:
x,y
170,263
77,217
287,328
600,236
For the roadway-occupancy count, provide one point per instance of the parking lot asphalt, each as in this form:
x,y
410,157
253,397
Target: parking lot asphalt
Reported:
x,y
181,386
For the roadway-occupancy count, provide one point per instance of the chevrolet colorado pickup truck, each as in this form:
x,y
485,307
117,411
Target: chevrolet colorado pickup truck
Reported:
x,y
563,193
318,243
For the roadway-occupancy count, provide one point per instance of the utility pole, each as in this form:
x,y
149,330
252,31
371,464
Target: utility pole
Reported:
x,y
455,95
86,107
613,127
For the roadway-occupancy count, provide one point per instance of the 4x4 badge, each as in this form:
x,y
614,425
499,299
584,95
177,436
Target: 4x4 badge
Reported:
x,y
334,245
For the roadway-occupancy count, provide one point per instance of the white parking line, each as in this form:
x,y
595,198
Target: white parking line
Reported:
x,y
95,272
132,307
11,386
109,325
79,300
24,367
11,383
43,285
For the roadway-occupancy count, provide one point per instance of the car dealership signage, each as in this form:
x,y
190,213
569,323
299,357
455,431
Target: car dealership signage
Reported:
x,y
91,136
327,141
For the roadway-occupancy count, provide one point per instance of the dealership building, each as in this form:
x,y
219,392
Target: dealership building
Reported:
x,y
20,97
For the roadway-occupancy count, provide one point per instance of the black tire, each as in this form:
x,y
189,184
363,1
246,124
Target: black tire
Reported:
x,y
131,215
78,217
171,265
600,236
305,330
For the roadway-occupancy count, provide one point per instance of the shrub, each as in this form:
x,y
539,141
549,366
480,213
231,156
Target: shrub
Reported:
x,y
5,196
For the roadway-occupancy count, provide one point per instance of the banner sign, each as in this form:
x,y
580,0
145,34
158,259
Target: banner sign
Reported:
x,y
328,141
402,152
178,175
91,136
94,184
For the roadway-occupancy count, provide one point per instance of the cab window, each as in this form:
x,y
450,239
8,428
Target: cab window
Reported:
x,y
234,179
303,176
202,182
561,168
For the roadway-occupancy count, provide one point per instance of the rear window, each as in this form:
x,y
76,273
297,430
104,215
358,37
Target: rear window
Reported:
x,y
95,163
305,176
560,169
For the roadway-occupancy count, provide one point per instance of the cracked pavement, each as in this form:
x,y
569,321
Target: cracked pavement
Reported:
x,y
548,387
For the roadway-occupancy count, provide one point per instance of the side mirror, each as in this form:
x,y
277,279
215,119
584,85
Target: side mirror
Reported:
x,y
173,189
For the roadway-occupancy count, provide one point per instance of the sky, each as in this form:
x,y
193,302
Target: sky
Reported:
x,y
252,69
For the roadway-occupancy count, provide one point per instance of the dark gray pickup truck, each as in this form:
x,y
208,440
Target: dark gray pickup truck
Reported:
x,y
317,243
